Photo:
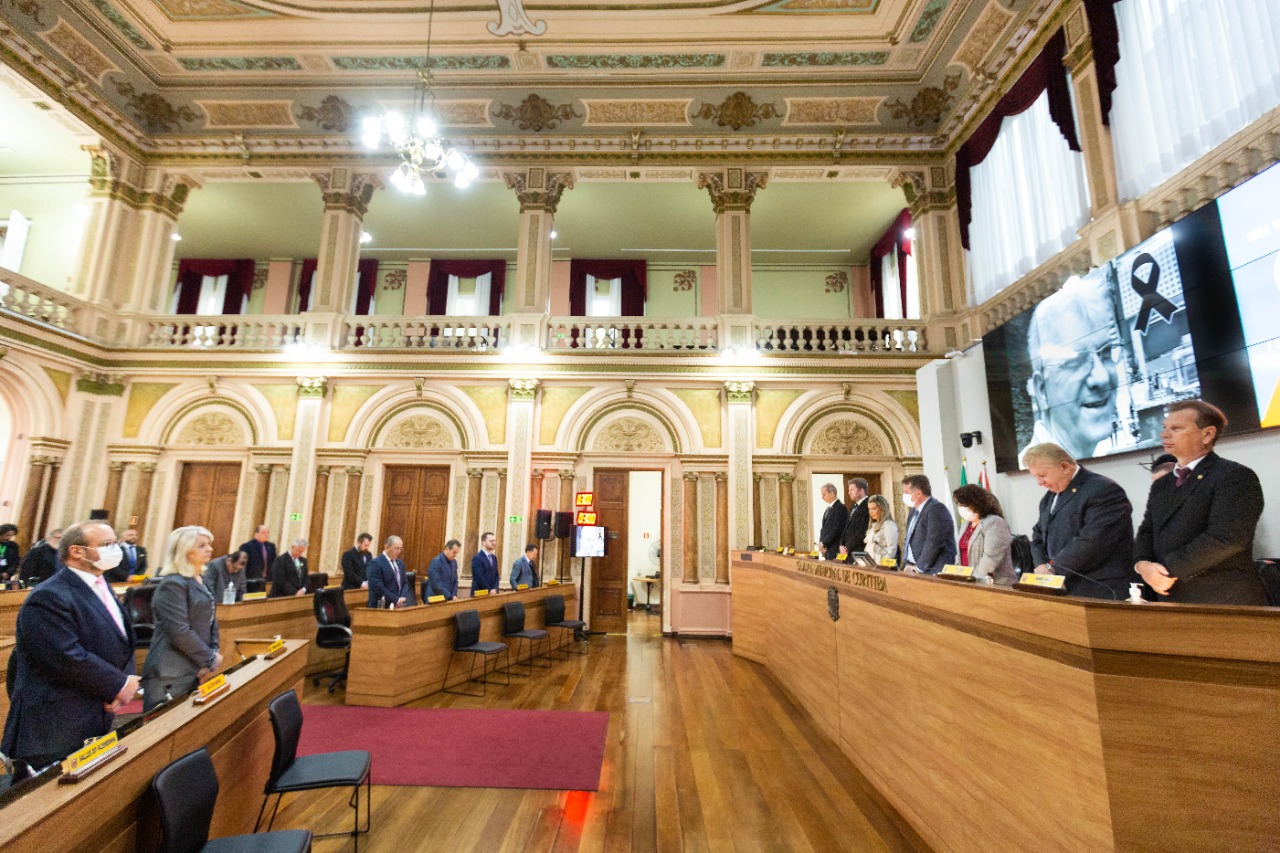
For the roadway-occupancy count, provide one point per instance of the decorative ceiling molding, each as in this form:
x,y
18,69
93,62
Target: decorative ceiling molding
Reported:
x,y
83,55
831,111
737,111
228,114
611,61
536,113
637,113
825,59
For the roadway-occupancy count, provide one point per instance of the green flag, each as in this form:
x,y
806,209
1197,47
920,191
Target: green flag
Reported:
x,y
964,475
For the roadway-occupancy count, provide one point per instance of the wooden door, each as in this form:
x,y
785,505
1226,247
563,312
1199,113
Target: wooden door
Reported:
x,y
207,496
873,487
415,507
608,575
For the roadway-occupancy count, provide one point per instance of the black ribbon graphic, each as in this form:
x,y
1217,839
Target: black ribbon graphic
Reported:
x,y
1151,298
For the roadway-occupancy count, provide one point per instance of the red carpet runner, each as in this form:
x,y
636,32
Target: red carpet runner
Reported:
x,y
465,748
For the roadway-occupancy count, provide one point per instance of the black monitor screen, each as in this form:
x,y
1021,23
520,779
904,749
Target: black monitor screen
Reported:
x,y
590,541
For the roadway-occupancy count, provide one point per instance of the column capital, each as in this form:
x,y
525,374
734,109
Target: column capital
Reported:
x,y
116,466
739,391
786,478
147,467
522,389
118,177
733,188
353,470
722,476
323,470
691,476
263,467
757,477
312,386
349,191
538,189
566,473
475,473
536,474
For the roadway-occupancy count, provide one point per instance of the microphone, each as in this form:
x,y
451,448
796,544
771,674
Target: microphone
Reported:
x,y
1111,592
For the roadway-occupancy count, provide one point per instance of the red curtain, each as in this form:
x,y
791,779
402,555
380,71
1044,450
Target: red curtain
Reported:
x,y
367,285
1104,33
894,239
192,271
304,283
438,282
1045,73
634,275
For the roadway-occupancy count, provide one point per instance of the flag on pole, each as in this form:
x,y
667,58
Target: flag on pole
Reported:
x,y
964,475
983,479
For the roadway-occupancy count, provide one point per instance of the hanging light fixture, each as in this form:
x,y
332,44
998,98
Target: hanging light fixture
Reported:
x,y
423,151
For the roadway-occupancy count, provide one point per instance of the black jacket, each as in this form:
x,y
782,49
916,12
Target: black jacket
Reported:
x,y
355,565
832,526
1090,532
855,528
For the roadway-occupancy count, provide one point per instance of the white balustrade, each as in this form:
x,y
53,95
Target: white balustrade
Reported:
x,y
587,334
819,337
34,301
228,331
468,334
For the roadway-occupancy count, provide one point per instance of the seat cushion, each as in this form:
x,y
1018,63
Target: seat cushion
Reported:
x,y
325,770
575,624
530,634
485,648
284,841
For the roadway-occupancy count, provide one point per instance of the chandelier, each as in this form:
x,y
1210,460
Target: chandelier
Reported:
x,y
416,138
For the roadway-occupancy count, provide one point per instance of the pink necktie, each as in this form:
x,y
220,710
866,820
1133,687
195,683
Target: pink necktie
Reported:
x,y
109,602
1180,475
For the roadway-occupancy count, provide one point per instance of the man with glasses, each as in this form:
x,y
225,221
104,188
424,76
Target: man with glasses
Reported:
x,y
1073,344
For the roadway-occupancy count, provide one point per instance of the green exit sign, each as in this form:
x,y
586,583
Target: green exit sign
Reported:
x,y
295,516
515,519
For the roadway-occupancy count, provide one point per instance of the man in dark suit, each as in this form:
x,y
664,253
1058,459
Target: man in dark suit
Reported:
x,y
355,563
10,556
832,522
74,654
1085,525
135,558
931,532
41,561
1195,543
386,576
855,528
262,553
442,574
523,570
289,572
484,565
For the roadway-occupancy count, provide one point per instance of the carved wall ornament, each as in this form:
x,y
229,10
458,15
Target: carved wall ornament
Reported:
x,y
332,113
523,389
735,189
260,278
211,429
395,279
837,282
846,438
532,196
514,21
536,113
929,103
154,111
419,432
737,111
629,435
739,391
633,113
685,280
255,114
312,386
30,8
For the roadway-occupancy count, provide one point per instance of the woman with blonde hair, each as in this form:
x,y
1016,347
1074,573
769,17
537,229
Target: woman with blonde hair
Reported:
x,y
882,533
184,647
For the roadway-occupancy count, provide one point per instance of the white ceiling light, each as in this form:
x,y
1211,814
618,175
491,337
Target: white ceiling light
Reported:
x,y
175,236
365,237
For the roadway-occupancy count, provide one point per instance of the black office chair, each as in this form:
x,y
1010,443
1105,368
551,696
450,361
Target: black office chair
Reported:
x,y
291,772
513,621
317,581
555,619
333,631
467,639
410,581
186,791
255,585
138,603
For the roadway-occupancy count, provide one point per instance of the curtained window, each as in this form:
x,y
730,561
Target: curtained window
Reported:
x,y
894,285
212,287
450,294
631,277
1191,74
365,285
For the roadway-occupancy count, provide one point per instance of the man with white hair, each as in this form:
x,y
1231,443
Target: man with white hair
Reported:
x,y
289,572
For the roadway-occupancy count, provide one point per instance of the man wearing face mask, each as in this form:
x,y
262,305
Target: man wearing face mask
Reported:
x,y
74,653
931,534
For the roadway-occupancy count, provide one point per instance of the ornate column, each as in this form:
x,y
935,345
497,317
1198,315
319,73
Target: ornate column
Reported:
x,y
755,509
564,572
786,511
539,193
346,201
475,485
306,427
110,501
319,502
739,395
732,190
940,264
142,497
517,501
28,531
261,488
690,568
722,527
351,505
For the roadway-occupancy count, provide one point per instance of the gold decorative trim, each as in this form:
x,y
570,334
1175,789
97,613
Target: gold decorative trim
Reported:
x,y
638,112
274,114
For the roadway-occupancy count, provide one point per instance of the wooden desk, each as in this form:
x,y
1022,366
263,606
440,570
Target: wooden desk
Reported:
x,y
292,618
10,602
649,584
400,655
998,720
6,649
111,809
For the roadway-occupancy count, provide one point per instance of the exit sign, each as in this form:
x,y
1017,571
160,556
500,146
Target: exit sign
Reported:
x,y
515,519
295,516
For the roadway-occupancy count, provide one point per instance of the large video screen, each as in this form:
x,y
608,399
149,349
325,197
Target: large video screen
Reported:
x,y
590,541
1250,216
1092,367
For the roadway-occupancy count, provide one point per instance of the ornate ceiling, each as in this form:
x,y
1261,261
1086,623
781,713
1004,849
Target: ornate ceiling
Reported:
x,y
641,82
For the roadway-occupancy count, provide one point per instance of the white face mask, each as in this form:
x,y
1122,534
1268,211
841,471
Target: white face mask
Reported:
x,y
109,556
909,501
967,514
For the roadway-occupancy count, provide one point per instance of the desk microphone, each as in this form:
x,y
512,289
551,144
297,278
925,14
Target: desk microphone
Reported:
x,y
1111,592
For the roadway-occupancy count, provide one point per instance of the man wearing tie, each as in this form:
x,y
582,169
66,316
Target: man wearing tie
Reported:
x,y
442,574
355,563
484,565
1085,528
1195,543
931,532
135,559
289,572
855,528
74,653
523,570
386,575
262,554
832,522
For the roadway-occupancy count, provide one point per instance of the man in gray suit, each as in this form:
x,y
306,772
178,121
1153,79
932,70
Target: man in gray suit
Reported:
x,y
226,572
523,570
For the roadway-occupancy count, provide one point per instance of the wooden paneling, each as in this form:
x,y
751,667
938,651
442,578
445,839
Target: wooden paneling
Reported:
x,y
207,496
415,507
292,618
10,603
609,584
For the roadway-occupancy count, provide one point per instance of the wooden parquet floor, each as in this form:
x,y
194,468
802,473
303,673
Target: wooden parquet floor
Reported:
x,y
705,752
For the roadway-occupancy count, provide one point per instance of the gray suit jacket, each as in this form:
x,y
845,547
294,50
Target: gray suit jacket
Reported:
x,y
990,550
186,633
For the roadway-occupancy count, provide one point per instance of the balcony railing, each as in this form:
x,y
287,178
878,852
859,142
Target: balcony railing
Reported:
x,y
469,334
822,337
33,300
250,332
587,334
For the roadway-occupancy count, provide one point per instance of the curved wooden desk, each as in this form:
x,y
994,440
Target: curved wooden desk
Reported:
x,y
293,618
400,655
1000,720
111,809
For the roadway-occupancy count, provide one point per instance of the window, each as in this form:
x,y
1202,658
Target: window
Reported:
x,y
468,296
13,240
604,297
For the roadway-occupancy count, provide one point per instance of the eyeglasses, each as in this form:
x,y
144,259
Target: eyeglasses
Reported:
x,y
1108,355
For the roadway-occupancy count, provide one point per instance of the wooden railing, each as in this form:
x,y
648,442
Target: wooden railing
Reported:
x,y
34,301
822,337
469,334
249,332
589,334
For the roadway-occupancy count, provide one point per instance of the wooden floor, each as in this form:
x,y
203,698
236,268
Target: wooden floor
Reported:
x,y
705,753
